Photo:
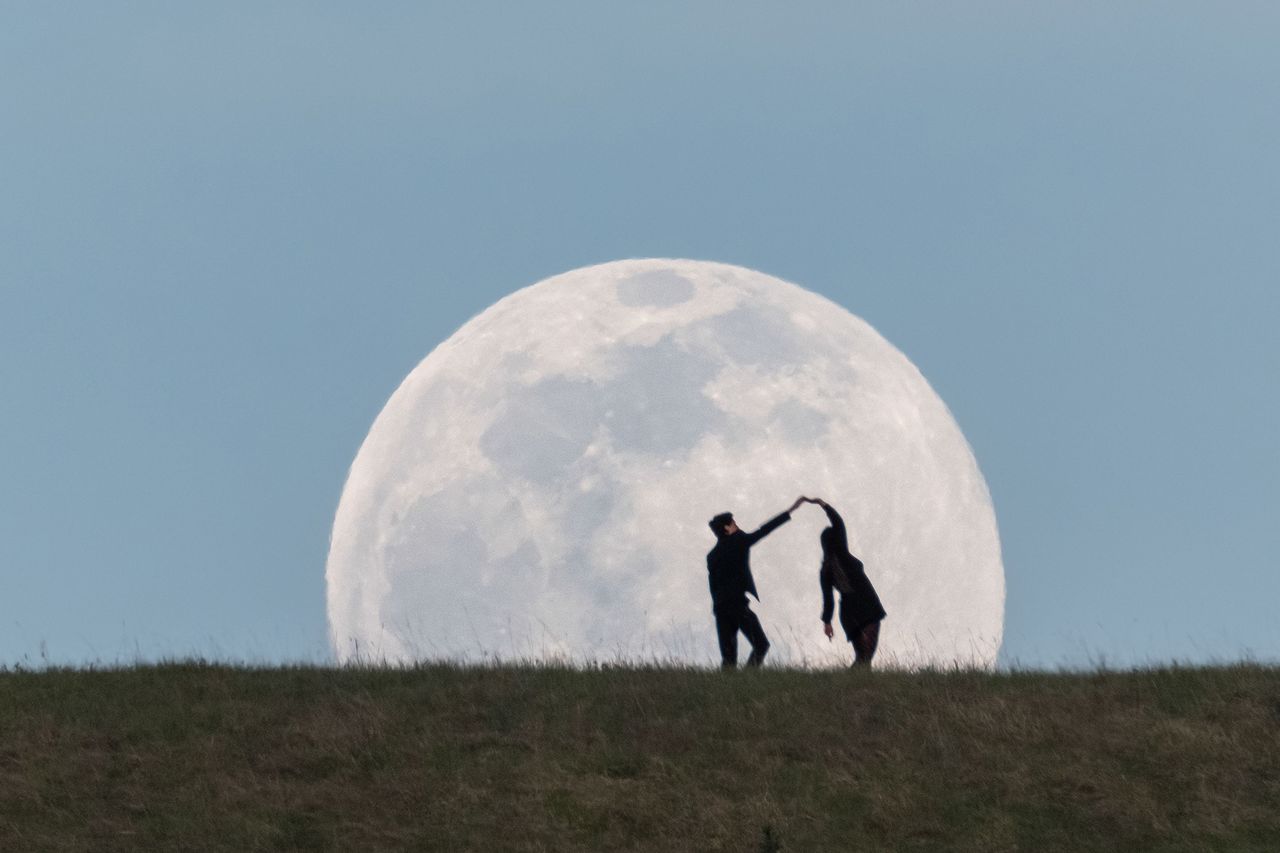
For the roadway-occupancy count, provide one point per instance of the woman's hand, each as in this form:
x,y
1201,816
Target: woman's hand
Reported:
x,y
826,629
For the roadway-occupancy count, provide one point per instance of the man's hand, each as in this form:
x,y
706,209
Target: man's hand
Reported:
x,y
795,506
826,629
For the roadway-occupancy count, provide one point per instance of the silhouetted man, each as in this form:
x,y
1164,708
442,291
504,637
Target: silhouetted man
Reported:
x,y
729,574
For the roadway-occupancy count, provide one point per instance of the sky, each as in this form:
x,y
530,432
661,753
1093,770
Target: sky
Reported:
x,y
228,231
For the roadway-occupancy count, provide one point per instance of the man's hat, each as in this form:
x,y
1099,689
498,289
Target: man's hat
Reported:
x,y
717,524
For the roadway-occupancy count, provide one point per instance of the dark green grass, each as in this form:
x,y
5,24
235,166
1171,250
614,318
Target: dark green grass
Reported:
x,y
199,757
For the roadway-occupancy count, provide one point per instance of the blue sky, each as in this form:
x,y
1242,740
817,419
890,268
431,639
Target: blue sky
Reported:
x,y
226,234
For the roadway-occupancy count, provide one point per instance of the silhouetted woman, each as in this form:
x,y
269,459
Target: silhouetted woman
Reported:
x,y
860,608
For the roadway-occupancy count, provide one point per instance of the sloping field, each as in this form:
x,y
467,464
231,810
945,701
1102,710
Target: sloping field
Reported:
x,y
198,757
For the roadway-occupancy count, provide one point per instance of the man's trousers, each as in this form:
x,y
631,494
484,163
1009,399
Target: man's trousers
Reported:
x,y
731,618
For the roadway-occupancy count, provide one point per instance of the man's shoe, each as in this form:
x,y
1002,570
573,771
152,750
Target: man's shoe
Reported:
x,y
757,656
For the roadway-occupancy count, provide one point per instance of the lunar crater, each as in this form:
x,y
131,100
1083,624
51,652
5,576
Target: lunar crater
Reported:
x,y
660,288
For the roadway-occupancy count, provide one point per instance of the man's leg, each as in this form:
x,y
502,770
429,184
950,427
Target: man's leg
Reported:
x,y
727,632
755,635
864,644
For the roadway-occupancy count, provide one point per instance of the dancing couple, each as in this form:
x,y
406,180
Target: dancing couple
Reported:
x,y
729,573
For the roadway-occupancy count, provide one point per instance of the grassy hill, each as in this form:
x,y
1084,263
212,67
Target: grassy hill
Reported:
x,y
199,757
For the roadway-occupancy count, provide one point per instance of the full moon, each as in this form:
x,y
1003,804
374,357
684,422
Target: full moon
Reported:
x,y
539,486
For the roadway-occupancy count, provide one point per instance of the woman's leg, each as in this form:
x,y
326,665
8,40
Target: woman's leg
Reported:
x,y
865,641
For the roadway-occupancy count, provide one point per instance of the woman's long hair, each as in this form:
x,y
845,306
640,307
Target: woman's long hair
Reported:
x,y
833,563
829,543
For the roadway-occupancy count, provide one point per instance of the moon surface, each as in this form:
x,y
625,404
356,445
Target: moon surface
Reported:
x,y
538,488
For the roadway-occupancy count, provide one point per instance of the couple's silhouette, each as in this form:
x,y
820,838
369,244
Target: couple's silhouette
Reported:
x,y
729,575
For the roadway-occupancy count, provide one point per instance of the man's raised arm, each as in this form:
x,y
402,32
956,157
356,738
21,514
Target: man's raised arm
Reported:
x,y
773,523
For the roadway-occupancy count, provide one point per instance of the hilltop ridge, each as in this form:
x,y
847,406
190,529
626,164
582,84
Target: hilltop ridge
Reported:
x,y
210,757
